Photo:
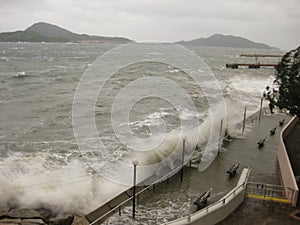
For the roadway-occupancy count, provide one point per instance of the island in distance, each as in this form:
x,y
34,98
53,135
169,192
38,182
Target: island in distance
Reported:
x,y
220,40
45,32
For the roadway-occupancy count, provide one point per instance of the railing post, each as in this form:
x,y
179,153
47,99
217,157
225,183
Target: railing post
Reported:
x,y
244,121
260,111
135,162
292,197
220,137
189,218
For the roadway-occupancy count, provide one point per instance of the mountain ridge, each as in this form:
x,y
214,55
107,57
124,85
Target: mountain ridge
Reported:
x,y
46,32
220,40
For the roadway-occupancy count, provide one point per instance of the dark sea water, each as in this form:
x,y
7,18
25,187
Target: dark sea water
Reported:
x,y
40,162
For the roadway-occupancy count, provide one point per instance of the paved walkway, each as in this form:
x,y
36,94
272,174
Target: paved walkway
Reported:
x,y
259,212
263,163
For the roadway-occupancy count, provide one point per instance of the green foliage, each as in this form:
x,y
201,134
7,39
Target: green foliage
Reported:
x,y
287,83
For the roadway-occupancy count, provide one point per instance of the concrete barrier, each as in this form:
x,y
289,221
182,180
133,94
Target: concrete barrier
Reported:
x,y
285,169
221,209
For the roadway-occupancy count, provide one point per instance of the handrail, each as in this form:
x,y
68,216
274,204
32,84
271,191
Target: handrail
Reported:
x,y
141,191
251,118
267,185
221,201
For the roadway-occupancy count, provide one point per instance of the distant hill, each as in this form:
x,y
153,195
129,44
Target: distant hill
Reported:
x,y
219,40
45,32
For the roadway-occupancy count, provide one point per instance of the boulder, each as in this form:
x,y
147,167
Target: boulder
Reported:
x,y
46,214
33,222
24,214
62,220
10,221
4,211
80,220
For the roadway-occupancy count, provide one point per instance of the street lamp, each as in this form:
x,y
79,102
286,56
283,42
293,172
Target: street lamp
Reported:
x,y
134,163
182,160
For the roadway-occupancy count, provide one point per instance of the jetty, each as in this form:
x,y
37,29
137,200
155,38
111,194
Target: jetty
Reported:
x,y
260,55
250,65
255,65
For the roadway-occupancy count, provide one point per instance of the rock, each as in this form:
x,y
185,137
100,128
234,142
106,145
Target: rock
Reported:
x,y
46,214
24,214
80,220
3,212
63,220
10,221
33,222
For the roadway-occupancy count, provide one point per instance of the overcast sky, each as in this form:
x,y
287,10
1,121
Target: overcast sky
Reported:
x,y
274,22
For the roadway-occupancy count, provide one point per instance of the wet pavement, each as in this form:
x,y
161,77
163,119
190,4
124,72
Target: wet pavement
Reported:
x,y
243,149
263,163
259,212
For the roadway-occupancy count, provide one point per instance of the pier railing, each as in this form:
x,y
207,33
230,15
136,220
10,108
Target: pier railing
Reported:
x,y
269,192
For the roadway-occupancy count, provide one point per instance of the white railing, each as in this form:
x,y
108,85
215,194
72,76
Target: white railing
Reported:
x,y
238,191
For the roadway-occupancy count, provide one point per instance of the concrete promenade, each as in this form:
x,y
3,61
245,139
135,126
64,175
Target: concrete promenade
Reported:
x,y
262,161
264,169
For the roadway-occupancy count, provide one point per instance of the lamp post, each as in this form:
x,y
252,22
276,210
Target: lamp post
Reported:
x,y
134,162
182,160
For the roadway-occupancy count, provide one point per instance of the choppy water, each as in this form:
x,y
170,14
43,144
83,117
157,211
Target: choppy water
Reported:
x,y
39,158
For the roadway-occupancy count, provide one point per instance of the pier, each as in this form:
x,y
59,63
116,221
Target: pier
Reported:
x,y
250,65
255,65
261,55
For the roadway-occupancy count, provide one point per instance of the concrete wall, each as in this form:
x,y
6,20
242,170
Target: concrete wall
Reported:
x,y
218,211
286,172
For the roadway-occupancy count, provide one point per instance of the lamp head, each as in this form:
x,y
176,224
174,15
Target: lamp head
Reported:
x,y
135,162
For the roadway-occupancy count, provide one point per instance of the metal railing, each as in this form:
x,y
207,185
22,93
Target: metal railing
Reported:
x,y
269,192
253,118
148,187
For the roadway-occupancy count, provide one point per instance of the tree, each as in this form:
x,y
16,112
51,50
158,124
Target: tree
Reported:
x,y
286,93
